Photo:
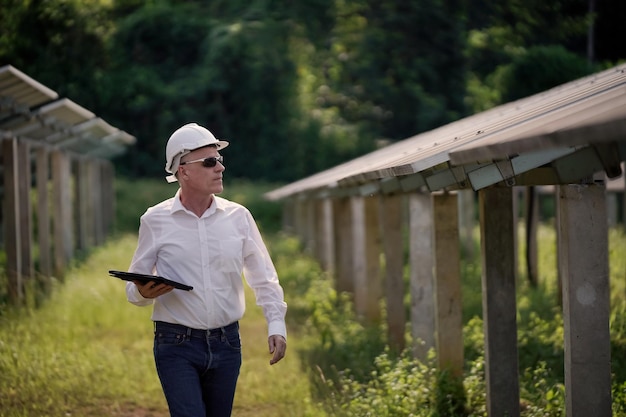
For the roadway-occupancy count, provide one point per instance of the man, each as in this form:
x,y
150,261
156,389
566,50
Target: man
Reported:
x,y
207,242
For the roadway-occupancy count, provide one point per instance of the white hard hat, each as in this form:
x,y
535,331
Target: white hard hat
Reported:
x,y
184,140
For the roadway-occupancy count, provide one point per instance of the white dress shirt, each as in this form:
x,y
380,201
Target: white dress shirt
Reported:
x,y
209,253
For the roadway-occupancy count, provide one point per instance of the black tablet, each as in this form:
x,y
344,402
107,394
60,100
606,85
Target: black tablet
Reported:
x,y
131,276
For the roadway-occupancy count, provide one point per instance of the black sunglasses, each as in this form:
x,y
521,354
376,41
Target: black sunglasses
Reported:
x,y
209,162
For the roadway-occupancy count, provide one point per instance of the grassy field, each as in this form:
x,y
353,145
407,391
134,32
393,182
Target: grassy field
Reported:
x,y
88,352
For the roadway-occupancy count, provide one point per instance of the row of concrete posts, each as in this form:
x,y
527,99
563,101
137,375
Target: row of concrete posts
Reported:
x,y
72,205
349,235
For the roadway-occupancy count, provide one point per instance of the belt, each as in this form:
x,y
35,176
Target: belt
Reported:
x,y
161,326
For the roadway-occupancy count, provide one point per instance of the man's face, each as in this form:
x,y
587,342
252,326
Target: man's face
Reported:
x,y
199,178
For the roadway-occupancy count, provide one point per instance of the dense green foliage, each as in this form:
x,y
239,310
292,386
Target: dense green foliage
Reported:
x,y
301,86
355,374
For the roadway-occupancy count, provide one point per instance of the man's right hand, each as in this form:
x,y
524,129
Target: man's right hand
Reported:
x,y
152,289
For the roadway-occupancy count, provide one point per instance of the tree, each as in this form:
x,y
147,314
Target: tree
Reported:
x,y
297,86
401,67
538,69
150,88
231,71
513,34
60,43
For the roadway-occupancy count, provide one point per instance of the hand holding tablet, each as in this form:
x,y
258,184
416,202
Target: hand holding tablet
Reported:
x,y
131,276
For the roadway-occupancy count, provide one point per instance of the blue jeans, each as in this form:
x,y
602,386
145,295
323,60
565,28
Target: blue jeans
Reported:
x,y
198,369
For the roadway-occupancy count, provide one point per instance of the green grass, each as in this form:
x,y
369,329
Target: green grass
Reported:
x,y
84,352
88,352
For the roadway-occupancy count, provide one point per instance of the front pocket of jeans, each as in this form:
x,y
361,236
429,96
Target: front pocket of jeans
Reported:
x,y
169,338
233,340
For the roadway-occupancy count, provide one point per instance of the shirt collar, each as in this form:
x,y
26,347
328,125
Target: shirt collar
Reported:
x,y
177,205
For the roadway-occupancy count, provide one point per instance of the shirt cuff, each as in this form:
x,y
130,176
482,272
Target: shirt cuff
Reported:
x,y
277,327
134,296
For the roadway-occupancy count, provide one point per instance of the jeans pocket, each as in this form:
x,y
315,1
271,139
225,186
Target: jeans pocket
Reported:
x,y
233,340
169,338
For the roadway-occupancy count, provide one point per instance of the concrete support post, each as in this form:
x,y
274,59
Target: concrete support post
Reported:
x,y
63,226
289,215
448,307
344,281
83,204
421,274
300,219
317,223
467,221
96,205
586,306
43,214
393,248
309,226
499,305
11,222
24,181
324,236
366,258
